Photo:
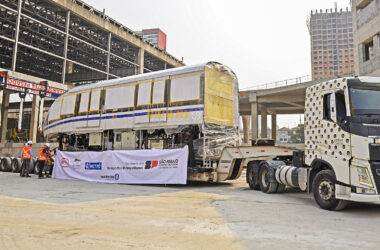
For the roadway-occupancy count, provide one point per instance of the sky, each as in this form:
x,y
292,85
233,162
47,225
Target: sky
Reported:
x,y
261,41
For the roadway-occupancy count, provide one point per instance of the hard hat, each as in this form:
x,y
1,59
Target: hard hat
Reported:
x,y
30,142
47,145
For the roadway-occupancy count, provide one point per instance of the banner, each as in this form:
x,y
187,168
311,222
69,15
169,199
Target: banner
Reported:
x,y
24,86
167,166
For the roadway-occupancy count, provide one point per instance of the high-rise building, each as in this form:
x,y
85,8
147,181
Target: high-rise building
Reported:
x,y
366,17
154,36
332,44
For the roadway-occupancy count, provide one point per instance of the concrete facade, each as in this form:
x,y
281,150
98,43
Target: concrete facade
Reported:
x,y
332,44
366,19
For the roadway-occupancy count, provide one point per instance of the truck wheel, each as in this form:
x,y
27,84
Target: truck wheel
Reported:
x,y
324,191
265,185
280,188
251,178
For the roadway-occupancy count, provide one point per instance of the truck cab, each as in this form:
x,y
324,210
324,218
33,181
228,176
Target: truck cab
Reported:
x,y
342,139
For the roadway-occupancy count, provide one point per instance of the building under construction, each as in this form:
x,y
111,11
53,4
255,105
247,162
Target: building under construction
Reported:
x,y
64,42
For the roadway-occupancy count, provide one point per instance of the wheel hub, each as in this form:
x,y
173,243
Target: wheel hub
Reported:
x,y
326,190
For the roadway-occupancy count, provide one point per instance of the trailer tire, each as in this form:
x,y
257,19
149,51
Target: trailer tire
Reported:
x,y
6,164
31,166
252,180
265,185
16,165
324,191
36,168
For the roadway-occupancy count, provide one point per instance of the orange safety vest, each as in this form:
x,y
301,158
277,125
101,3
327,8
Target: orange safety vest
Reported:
x,y
26,152
41,155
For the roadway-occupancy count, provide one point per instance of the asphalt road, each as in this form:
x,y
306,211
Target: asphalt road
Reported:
x,y
291,220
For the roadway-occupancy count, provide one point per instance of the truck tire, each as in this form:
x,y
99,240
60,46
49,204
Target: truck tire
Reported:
x,y
280,188
324,191
6,164
252,178
16,165
265,184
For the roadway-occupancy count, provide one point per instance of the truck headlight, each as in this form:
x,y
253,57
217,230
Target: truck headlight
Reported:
x,y
364,177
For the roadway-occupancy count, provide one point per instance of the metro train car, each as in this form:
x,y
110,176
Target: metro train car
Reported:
x,y
191,105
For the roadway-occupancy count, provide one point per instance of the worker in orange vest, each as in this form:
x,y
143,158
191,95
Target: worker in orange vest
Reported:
x,y
43,155
26,156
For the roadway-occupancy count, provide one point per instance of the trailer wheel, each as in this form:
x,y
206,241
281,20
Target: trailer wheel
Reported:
x,y
36,168
252,180
6,164
16,165
33,163
324,191
265,185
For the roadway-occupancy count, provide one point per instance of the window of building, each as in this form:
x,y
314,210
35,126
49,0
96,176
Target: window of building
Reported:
x,y
368,47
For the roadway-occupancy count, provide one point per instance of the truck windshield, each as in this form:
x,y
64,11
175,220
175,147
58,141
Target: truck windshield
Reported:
x,y
365,100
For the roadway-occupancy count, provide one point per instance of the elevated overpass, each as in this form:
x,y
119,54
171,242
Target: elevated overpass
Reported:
x,y
284,97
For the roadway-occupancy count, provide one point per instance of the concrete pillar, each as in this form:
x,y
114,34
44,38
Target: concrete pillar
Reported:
x,y
109,55
15,48
140,61
246,128
64,65
274,127
264,121
4,113
34,119
254,120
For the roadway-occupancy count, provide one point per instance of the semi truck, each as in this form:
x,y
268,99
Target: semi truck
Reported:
x,y
341,160
198,106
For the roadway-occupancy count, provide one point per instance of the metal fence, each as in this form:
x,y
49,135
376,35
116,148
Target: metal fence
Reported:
x,y
283,83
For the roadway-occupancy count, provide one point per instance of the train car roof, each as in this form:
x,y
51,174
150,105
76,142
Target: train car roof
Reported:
x,y
148,76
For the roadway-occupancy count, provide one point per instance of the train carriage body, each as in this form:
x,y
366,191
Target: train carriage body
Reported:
x,y
164,109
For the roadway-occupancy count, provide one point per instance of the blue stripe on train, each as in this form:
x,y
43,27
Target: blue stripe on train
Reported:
x,y
119,116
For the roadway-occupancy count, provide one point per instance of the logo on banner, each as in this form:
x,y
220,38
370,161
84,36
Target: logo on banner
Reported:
x,y
151,164
170,163
65,163
93,166
110,177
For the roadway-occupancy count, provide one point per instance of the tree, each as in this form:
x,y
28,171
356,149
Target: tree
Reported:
x,y
298,135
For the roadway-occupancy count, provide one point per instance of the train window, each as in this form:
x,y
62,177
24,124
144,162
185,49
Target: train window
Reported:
x,y
120,97
95,101
54,111
144,92
68,105
158,93
84,102
185,88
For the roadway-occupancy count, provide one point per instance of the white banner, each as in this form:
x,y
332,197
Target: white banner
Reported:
x,y
167,166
